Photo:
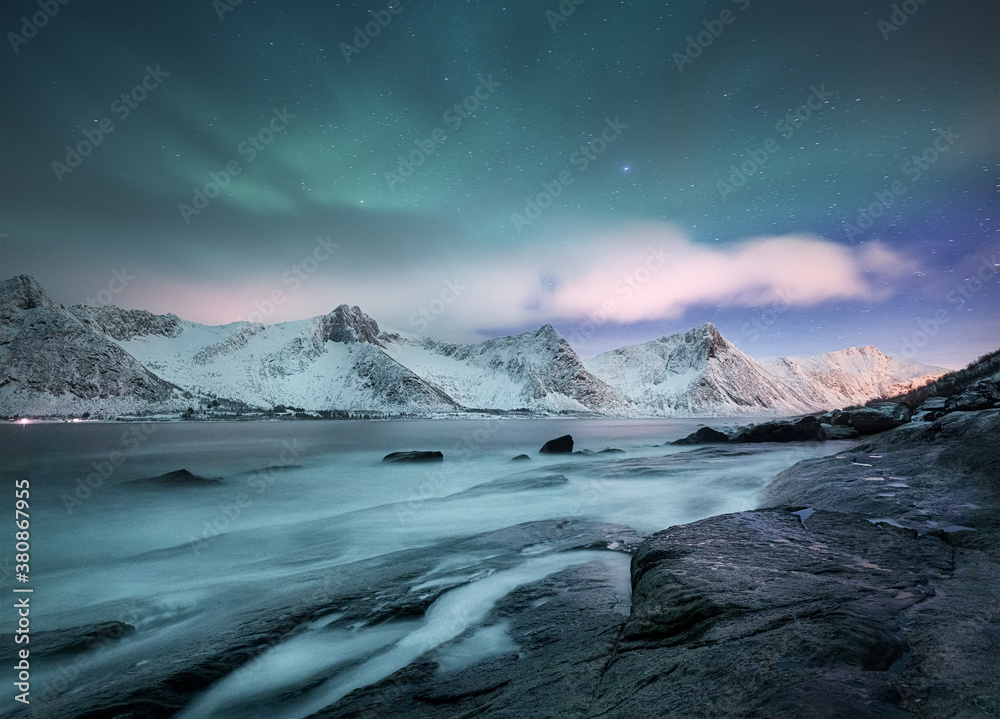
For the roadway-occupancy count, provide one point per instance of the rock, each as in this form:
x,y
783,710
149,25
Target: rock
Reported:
x,y
705,435
415,456
925,477
179,478
802,430
612,450
521,458
834,432
896,410
801,620
560,445
932,403
875,418
982,395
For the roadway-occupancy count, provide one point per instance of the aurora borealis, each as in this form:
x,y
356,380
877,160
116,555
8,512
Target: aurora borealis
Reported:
x,y
807,175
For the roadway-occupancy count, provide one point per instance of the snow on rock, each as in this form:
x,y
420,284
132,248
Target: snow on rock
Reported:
x,y
122,325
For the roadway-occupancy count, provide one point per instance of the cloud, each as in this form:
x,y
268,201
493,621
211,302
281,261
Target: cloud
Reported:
x,y
632,274
645,272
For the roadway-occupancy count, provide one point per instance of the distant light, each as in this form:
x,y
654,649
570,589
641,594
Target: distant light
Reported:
x,y
24,421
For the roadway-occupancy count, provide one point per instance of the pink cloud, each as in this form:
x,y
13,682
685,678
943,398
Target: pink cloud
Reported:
x,y
641,272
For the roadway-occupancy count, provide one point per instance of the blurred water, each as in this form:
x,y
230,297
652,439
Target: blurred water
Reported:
x,y
299,497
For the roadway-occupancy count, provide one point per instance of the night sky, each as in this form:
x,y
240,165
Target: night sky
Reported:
x,y
807,175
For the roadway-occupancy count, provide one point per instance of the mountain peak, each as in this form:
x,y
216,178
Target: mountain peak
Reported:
x,y
23,293
348,324
547,331
707,337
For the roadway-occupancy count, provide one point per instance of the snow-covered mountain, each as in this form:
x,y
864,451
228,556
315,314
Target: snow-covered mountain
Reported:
x,y
701,373
109,361
538,371
54,362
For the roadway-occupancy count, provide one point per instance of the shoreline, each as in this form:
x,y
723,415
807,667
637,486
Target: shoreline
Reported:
x,y
804,607
794,610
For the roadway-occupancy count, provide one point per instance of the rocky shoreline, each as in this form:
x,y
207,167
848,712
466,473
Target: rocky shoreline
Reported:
x,y
866,586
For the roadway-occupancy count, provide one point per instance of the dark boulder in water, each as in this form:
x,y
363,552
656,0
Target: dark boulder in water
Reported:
x,y
416,456
705,435
803,430
559,445
521,458
179,478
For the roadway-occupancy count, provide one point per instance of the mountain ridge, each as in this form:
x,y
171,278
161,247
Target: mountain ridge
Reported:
x,y
64,361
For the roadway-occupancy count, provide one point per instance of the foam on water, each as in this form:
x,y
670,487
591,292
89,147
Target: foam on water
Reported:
x,y
251,691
